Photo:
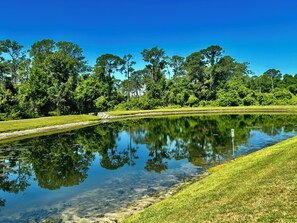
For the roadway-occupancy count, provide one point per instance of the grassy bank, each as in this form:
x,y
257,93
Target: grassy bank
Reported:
x,y
240,109
16,125
260,187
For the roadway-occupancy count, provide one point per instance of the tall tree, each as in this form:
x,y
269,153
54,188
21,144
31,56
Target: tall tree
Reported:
x,y
34,95
3,69
273,74
136,81
212,54
87,92
17,56
42,49
157,62
177,63
62,63
63,74
195,67
106,65
127,69
74,51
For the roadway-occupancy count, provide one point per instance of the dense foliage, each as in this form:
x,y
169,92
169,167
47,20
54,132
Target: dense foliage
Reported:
x,y
54,78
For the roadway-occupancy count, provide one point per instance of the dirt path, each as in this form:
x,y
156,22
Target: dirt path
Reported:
x,y
16,134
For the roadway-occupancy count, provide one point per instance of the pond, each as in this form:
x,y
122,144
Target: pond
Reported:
x,y
99,169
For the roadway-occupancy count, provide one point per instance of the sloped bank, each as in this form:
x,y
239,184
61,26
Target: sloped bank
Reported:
x,y
260,187
200,110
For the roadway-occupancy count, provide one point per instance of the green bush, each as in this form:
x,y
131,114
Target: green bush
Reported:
x,y
229,98
180,99
249,100
266,99
192,100
204,103
132,104
293,101
292,88
282,94
101,103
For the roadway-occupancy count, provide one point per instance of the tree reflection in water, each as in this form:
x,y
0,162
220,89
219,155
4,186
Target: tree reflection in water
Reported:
x,y
15,170
63,160
59,162
2,202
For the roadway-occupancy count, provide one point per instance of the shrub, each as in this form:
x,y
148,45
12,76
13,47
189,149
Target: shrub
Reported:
x,y
192,100
293,101
229,98
266,99
101,103
282,94
292,88
249,100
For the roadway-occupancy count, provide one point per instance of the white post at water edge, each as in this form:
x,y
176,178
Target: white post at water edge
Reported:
x,y
232,136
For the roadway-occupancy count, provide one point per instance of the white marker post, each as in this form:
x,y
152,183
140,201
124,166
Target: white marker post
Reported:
x,y
232,133
232,136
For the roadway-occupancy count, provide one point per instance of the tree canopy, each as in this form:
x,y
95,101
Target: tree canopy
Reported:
x,y
54,78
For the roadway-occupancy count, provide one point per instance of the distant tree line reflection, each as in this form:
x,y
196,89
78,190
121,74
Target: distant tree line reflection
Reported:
x,y
63,160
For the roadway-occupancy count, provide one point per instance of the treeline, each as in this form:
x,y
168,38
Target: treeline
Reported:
x,y
53,78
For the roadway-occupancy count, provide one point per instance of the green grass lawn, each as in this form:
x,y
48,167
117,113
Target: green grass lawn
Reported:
x,y
283,108
260,187
15,125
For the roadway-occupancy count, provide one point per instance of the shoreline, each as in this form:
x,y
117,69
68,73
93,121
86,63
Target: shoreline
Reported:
x,y
198,112
122,115
139,204
245,183
48,129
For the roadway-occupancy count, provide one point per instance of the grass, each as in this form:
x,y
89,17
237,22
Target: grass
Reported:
x,y
16,125
260,187
238,109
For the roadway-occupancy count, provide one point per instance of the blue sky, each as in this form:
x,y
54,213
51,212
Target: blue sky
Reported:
x,y
262,32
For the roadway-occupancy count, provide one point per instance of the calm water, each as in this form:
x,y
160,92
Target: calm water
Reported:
x,y
99,169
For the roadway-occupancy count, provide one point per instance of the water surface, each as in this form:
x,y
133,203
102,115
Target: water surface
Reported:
x,y
95,170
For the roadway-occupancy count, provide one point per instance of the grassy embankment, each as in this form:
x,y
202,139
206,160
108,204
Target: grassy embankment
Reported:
x,y
16,125
260,187
239,109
